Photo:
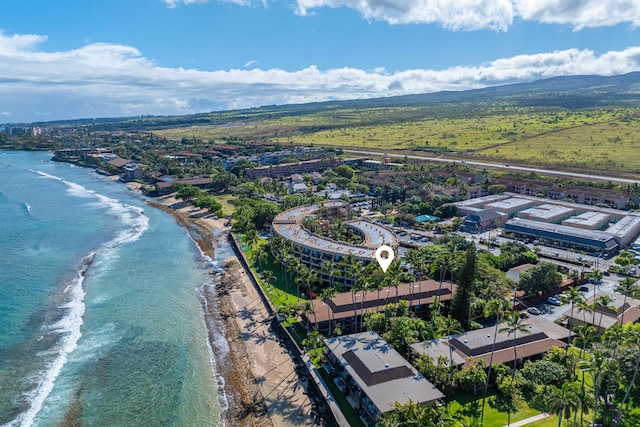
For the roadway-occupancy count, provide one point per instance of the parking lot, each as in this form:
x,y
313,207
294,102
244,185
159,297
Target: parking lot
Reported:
x,y
553,312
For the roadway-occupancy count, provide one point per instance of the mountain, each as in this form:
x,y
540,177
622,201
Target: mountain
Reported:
x,y
570,92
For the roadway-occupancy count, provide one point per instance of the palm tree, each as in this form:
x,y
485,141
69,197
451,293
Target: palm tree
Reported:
x,y
628,288
415,261
251,237
604,302
445,328
394,274
514,324
632,339
494,307
563,400
303,275
443,263
585,308
308,309
312,278
585,335
261,256
328,268
268,277
574,297
599,365
326,296
287,309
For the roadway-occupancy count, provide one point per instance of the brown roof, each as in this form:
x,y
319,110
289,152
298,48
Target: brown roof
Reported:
x,y
525,350
341,306
119,162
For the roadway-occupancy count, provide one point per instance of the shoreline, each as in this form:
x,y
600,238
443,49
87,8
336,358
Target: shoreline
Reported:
x,y
260,382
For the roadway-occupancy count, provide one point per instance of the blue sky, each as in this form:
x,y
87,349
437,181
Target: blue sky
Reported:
x,y
78,58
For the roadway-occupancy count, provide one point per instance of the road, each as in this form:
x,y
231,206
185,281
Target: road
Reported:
x,y
500,166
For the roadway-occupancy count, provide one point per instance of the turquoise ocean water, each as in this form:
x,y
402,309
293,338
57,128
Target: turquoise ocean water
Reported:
x,y
100,314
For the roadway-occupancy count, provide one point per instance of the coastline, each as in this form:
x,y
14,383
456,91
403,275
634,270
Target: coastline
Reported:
x,y
260,381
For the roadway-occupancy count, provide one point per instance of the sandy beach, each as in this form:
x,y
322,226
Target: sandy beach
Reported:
x,y
261,383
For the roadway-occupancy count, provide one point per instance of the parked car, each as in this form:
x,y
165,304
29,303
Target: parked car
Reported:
x,y
554,301
583,289
533,310
606,273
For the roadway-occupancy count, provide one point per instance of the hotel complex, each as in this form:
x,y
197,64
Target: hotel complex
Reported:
x,y
312,249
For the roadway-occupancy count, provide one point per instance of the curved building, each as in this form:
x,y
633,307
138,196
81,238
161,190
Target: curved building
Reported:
x,y
313,249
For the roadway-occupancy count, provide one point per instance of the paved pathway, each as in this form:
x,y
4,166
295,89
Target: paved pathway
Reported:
x,y
529,420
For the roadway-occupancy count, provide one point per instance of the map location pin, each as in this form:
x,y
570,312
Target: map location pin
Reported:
x,y
384,262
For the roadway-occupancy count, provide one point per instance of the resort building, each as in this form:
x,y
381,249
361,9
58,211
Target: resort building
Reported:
x,y
619,313
312,249
345,308
286,169
373,376
478,344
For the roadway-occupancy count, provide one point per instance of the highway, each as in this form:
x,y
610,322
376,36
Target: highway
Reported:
x,y
505,166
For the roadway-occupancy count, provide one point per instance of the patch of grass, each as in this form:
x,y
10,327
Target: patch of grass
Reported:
x,y
228,203
470,406
551,421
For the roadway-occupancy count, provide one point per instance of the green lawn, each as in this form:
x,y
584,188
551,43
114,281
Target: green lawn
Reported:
x,y
551,421
279,290
228,203
470,406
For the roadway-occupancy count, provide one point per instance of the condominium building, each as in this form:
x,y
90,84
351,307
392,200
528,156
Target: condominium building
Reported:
x,y
312,249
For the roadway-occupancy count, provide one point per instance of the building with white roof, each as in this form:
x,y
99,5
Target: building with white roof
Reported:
x,y
588,220
546,213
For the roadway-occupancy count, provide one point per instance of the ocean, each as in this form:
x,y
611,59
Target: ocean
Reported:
x,y
101,322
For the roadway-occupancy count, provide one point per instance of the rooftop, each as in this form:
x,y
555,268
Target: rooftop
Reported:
x,y
341,306
547,211
478,344
380,372
288,224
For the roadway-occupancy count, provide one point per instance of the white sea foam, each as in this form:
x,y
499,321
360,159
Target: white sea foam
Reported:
x,y
69,326
132,216
69,329
222,349
46,175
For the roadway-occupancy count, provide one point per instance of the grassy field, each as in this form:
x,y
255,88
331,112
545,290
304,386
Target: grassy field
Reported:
x,y
228,203
595,138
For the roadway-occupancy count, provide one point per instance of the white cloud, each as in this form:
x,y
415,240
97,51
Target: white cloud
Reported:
x,y
100,79
454,15
489,14
580,13
249,63
5,113
471,15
